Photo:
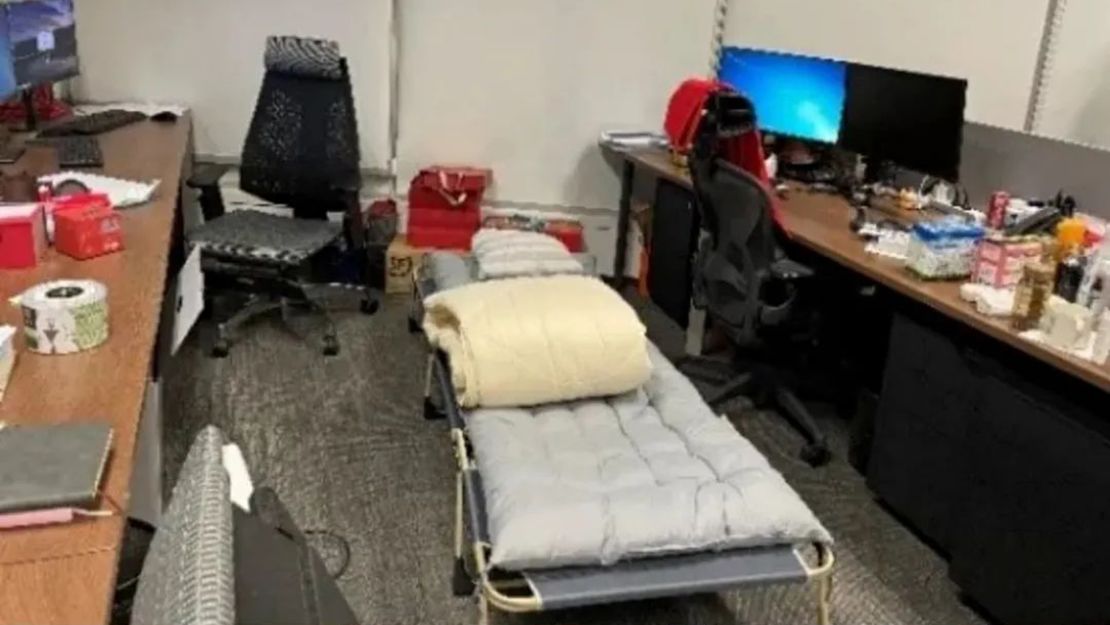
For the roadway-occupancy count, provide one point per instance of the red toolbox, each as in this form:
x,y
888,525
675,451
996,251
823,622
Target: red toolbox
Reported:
x,y
86,225
22,236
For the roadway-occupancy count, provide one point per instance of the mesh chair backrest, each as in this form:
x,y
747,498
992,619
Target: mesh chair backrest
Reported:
x,y
735,209
188,577
302,145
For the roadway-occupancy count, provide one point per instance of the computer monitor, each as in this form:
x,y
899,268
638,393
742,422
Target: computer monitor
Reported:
x,y
913,120
795,96
42,41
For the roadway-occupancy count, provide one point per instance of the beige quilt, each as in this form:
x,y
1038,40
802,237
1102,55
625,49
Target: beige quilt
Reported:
x,y
529,341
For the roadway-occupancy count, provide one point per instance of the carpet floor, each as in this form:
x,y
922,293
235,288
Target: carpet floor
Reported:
x,y
343,442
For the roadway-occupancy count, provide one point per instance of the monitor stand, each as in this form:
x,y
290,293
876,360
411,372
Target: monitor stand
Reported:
x,y
805,163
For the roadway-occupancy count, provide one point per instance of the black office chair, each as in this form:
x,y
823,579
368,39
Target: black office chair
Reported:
x,y
743,279
301,152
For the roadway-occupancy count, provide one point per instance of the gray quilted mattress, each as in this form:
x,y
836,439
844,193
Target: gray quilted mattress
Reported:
x,y
647,473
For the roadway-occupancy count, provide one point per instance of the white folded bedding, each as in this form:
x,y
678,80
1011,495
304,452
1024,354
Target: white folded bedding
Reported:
x,y
648,472
514,253
528,341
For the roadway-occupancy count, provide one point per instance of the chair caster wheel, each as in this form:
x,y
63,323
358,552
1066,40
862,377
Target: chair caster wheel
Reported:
x,y
815,454
431,412
331,346
414,328
368,306
461,584
220,348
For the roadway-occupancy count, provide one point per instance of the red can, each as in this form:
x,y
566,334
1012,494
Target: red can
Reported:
x,y
996,211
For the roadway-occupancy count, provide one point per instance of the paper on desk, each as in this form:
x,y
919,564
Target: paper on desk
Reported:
x,y
189,298
122,193
7,357
146,108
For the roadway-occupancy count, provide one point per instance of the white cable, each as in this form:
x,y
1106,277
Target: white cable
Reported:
x,y
1046,56
720,17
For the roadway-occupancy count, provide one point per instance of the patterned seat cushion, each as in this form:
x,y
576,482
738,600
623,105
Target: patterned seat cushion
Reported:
x,y
255,236
188,577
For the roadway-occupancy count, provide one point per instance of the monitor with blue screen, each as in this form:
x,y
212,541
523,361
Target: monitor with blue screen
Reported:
x,y
42,41
797,96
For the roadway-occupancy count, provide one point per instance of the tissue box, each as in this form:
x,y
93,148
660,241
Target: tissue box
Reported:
x,y
86,226
22,235
999,260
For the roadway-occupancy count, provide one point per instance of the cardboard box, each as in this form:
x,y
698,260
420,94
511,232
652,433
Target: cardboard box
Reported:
x,y
401,261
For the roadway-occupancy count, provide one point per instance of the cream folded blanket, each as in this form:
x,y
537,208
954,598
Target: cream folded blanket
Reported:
x,y
528,341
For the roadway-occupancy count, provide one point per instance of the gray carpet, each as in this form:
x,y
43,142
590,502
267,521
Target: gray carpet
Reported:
x,y
343,442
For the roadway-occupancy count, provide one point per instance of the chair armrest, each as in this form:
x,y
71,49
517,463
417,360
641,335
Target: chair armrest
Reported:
x,y
788,270
206,176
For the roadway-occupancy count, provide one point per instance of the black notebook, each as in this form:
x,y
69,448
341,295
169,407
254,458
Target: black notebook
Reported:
x,y
52,466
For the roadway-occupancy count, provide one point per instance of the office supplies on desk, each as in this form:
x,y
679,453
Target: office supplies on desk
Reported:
x,y
942,249
92,124
86,226
22,236
122,193
632,139
52,466
64,316
79,151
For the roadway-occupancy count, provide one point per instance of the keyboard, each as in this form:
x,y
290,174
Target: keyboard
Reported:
x,y
79,152
94,124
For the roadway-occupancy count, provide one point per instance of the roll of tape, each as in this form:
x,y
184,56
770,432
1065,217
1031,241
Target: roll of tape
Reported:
x,y
64,316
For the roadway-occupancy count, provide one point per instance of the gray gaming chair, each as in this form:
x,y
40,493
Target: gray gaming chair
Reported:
x,y
743,279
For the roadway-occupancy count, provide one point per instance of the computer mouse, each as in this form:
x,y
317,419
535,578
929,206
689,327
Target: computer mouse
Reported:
x,y
164,116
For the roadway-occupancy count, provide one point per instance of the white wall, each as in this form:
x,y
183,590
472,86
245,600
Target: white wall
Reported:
x,y
1077,97
208,54
526,86
992,43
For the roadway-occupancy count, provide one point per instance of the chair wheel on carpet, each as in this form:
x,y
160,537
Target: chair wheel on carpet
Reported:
x,y
815,454
414,328
369,306
331,346
220,348
431,412
461,584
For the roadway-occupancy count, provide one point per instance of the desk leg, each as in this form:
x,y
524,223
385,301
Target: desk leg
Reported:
x,y
623,216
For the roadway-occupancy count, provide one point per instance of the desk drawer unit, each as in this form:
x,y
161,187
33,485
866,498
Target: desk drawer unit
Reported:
x,y
917,458
1034,545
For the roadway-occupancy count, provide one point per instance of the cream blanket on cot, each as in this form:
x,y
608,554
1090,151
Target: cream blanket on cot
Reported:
x,y
529,341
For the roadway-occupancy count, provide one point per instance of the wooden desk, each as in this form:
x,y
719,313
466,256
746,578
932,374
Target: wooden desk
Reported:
x,y
820,222
66,573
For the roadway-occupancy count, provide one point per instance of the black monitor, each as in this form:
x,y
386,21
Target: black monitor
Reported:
x,y
42,39
913,120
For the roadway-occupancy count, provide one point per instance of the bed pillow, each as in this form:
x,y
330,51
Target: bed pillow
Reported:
x,y
514,253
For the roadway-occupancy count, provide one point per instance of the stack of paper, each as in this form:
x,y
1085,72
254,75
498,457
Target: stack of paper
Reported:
x,y
122,193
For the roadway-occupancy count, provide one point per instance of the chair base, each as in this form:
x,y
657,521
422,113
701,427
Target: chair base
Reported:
x,y
768,389
261,304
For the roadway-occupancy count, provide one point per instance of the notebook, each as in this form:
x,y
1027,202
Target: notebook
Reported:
x,y
52,466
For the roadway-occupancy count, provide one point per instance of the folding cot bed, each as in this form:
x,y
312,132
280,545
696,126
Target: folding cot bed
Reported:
x,y
598,501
